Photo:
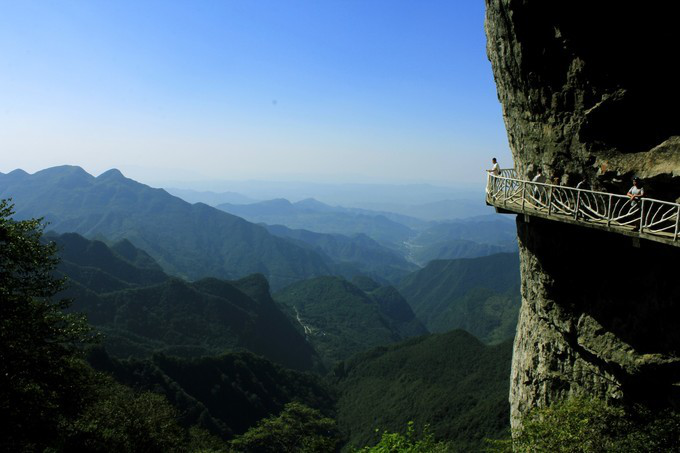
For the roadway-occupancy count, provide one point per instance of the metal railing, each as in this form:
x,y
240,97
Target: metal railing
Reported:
x,y
645,216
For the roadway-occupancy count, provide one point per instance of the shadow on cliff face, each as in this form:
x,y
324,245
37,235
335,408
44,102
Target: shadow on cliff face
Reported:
x,y
620,301
615,58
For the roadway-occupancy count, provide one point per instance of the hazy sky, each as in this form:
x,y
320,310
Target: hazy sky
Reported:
x,y
341,91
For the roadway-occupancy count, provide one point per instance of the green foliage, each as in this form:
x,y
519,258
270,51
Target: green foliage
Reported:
x,y
51,400
407,443
451,382
590,425
297,428
339,319
226,395
117,419
479,295
39,370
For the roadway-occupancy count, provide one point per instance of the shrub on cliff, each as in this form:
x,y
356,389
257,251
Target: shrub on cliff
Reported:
x,y
591,425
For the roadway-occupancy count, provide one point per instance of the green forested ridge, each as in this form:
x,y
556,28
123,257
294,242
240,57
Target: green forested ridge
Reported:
x,y
451,382
142,310
355,255
340,319
193,241
480,295
224,394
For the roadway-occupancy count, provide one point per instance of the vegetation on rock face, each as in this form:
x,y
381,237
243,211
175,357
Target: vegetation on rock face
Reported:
x,y
451,382
591,425
480,295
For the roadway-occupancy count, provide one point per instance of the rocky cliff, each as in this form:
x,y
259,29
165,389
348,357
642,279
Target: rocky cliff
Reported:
x,y
589,91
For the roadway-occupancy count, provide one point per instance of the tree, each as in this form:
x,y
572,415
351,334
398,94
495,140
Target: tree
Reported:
x,y
407,443
40,370
297,428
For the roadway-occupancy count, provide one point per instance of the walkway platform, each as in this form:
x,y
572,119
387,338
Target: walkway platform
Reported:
x,y
647,218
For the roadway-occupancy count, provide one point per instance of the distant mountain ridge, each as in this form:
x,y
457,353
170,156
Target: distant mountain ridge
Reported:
x,y
351,256
315,216
192,241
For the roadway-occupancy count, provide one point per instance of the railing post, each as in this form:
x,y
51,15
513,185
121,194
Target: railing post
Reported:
x,y
642,215
550,192
609,211
524,190
677,224
578,204
505,193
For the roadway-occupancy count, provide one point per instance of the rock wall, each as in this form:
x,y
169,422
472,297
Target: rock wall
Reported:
x,y
589,91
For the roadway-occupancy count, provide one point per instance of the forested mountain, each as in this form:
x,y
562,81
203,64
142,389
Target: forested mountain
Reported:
x,y
468,238
318,217
452,381
193,241
225,394
340,319
480,295
358,254
141,310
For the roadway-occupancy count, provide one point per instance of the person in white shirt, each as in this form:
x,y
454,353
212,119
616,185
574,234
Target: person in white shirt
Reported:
x,y
495,169
636,192
539,176
539,191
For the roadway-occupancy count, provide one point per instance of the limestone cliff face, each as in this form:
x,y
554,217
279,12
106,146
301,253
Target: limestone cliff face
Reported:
x,y
588,90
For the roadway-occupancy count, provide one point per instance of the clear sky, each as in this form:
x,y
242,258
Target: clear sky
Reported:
x,y
325,90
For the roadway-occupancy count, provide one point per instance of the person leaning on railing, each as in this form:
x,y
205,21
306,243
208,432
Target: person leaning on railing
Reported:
x,y
636,192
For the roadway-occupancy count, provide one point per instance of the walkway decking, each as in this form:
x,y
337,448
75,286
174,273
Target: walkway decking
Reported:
x,y
647,218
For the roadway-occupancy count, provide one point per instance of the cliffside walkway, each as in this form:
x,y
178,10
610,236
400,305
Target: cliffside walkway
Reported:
x,y
656,220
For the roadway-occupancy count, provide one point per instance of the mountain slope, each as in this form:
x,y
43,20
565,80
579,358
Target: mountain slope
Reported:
x,y
480,295
143,311
191,241
340,319
451,381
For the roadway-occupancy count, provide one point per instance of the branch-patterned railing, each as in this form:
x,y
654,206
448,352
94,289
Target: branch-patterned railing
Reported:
x,y
646,215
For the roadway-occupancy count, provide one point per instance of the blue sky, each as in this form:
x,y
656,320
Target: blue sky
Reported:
x,y
339,91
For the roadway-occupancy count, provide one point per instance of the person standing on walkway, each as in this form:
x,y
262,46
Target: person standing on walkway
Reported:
x,y
495,169
636,192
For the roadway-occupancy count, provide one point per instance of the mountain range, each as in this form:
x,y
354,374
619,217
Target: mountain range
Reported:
x,y
142,311
315,216
190,241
